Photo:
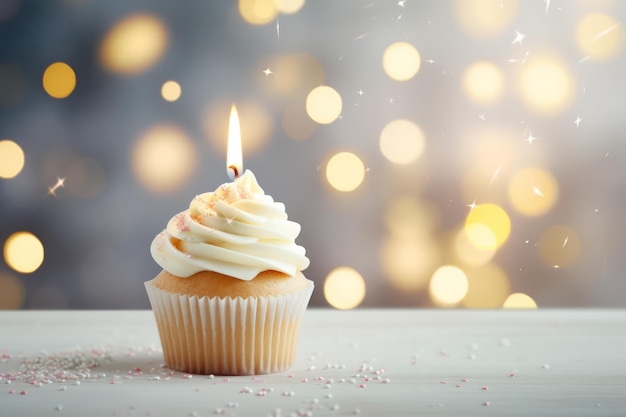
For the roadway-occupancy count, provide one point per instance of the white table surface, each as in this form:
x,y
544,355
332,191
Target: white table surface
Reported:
x,y
431,362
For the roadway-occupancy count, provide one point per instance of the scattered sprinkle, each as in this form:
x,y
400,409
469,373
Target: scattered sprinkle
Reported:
x,y
486,404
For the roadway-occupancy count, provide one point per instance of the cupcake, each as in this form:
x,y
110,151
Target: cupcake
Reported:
x,y
231,295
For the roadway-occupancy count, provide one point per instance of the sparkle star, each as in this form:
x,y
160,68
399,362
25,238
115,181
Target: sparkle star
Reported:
x,y
267,72
519,37
578,120
360,92
472,206
481,116
401,3
537,191
530,139
60,183
430,61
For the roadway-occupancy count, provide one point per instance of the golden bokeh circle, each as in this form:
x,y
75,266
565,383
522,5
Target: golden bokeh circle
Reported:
x,y
59,80
344,288
345,171
483,82
487,226
546,84
402,141
448,286
134,44
163,158
23,252
171,91
11,159
324,104
599,36
401,61
533,191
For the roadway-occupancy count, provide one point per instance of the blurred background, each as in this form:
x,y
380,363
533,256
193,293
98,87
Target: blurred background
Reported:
x,y
463,153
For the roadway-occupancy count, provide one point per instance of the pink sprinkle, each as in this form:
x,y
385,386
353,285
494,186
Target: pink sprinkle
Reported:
x,y
486,404
223,380
442,382
366,379
23,392
187,376
464,380
197,389
138,369
458,386
512,375
484,388
305,379
12,391
290,376
362,386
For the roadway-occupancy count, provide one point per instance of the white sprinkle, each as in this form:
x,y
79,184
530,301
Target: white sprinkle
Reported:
x,y
328,396
312,367
233,404
386,381
211,376
545,366
76,383
58,408
335,407
505,342
356,411
63,388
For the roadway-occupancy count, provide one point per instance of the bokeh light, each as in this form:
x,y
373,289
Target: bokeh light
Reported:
x,y
11,159
401,61
559,246
344,288
488,287
478,251
296,123
448,286
599,36
485,18
345,171
323,104
519,300
23,252
163,158
59,80
134,44
545,83
12,292
255,123
258,12
171,91
289,6
483,82
402,141
487,226
533,191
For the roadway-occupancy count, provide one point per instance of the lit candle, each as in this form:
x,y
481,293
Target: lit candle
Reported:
x,y
234,158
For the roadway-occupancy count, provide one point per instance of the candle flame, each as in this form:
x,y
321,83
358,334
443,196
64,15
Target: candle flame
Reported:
x,y
234,158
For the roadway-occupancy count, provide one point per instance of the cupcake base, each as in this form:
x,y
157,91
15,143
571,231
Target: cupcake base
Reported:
x,y
228,336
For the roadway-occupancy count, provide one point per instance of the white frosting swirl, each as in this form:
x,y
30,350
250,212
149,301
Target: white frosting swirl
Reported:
x,y
238,230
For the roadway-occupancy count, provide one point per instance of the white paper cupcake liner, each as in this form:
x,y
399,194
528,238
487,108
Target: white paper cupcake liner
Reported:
x,y
228,336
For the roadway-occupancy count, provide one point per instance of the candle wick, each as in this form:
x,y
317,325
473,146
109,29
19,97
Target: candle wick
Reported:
x,y
235,171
